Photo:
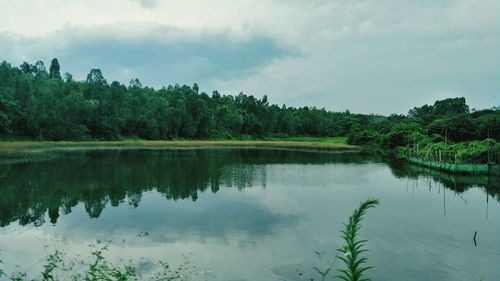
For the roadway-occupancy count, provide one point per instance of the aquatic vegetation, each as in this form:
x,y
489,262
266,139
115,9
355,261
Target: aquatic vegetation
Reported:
x,y
351,252
58,267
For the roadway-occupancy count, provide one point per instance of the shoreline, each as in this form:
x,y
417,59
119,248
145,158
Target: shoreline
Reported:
x,y
33,150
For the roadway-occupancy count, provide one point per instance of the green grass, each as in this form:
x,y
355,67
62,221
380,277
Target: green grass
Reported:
x,y
299,142
27,151
331,140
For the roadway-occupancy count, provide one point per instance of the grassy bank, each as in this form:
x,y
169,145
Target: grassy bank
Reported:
x,y
34,150
304,142
331,140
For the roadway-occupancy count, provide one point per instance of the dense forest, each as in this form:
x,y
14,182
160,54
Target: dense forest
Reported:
x,y
45,105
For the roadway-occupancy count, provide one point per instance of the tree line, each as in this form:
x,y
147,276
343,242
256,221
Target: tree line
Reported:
x,y
447,131
45,105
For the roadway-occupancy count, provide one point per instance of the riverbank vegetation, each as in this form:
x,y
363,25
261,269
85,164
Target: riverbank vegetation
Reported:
x,y
36,104
444,132
34,151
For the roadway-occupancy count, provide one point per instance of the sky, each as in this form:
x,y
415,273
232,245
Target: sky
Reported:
x,y
382,57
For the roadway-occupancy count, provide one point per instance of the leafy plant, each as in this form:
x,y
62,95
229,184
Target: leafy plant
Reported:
x,y
52,263
351,252
323,272
184,272
101,269
58,266
2,273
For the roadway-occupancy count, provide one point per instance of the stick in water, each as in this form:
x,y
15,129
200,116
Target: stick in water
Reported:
x,y
475,234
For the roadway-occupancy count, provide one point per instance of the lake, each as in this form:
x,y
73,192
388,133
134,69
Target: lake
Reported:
x,y
248,214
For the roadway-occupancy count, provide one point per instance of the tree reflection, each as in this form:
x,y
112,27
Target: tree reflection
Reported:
x,y
33,193
40,191
457,183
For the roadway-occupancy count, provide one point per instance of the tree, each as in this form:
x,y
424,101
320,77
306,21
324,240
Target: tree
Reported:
x,y
38,104
451,106
135,83
54,69
39,69
403,134
441,108
68,78
95,77
27,68
195,88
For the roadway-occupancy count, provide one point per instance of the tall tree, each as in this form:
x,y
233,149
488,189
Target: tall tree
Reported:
x,y
39,69
54,69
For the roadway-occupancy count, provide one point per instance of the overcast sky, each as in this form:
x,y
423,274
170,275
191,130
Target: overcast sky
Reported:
x,y
378,56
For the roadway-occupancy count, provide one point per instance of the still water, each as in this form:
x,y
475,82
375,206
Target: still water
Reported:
x,y
248,214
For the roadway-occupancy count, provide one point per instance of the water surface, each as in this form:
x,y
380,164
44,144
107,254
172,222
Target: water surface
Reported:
x,y
249,214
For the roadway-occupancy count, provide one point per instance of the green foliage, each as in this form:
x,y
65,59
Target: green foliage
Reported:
x,y
42,106
323,272
403,134
335,140
184,272
59,267
445,131
54,70
101,269
365,137
441,108
473,152
351,252
185,174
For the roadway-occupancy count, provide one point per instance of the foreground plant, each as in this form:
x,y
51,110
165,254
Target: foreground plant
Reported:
x,y
351,252
2,273
59,267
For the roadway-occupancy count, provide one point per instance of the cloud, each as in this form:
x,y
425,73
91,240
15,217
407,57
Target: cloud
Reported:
x,y
157,55
382,57
169,221
148,3
386,57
